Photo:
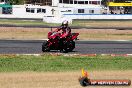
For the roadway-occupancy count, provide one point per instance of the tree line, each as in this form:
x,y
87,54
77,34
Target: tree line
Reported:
x,y
15,2
104,2
18,2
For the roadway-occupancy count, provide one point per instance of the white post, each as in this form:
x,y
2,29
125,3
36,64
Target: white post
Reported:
x,y
52,2
108,10
55,2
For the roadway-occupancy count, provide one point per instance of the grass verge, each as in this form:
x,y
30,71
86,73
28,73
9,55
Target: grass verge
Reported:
x,y
21,33
26,22
103,23
77,23
48,63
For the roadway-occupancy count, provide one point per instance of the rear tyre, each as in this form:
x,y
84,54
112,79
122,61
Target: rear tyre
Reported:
x,y
45,47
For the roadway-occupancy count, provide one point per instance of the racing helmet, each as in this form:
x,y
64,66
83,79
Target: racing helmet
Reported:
x,y
65,23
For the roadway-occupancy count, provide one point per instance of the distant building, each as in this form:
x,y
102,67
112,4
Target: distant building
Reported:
x,y
39,2
55,11
2,0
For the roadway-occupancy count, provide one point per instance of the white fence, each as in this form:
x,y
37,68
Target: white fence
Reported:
x,y
98,16
70,17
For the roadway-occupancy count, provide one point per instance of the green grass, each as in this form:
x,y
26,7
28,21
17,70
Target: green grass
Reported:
x,y
123,34
102,23
47,63
26,22
81,23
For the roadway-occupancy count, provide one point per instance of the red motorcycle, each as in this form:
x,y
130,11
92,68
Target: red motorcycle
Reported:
x,y
56,39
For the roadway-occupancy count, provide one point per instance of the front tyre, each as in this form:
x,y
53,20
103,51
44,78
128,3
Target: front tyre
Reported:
x,y
84,81
45,47
70,46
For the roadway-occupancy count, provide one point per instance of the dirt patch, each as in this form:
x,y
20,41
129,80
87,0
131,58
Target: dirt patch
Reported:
x,y
85,34
57,79
105,23
23,33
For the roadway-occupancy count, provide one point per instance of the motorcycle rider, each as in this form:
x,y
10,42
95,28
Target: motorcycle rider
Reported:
x,y
66,31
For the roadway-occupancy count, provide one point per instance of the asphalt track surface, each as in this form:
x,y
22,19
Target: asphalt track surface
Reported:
x,y
72,27
82,47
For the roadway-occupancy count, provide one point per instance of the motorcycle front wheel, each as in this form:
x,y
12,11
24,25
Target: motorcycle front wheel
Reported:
x,y
45,47
70,46
84,82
